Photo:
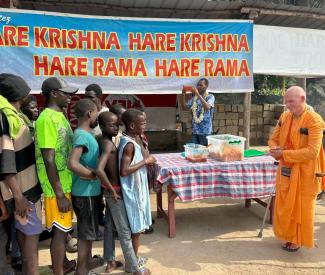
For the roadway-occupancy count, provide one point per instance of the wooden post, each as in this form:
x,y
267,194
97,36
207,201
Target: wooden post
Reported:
x,y
302,83
247,117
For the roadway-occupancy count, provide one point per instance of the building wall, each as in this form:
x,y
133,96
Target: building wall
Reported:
x,y
229,119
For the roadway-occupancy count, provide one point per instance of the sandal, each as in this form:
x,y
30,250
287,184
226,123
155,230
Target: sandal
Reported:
x,y
141,271
288,248
142,261
149,230
286,245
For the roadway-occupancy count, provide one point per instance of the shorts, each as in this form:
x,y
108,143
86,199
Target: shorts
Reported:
x,y
53,217
32,224
86,209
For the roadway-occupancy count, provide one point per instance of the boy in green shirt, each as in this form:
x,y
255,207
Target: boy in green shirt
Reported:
x,y
53,139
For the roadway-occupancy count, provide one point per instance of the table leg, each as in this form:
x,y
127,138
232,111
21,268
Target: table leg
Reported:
x,y
272,209
159,204
171,212
248,203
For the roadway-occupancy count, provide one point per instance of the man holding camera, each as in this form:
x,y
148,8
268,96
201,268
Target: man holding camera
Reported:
x,y
201,104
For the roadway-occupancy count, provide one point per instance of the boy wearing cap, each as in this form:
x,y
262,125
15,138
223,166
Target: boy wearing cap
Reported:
x,y
53,138
20,188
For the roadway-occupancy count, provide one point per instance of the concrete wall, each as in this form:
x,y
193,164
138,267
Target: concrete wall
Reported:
x,y
229,119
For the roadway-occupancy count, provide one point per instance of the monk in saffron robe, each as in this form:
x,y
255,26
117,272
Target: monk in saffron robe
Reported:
x,y
298,151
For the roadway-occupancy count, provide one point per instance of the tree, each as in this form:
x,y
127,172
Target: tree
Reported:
x,y
270,88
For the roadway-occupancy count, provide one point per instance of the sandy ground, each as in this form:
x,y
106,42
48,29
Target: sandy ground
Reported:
x,y
218,236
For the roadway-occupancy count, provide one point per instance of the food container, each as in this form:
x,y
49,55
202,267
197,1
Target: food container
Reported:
x,y
196,152
226,147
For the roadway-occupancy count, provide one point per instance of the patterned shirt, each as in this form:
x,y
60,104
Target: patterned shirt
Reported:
x,y
17,156
205,126
53,131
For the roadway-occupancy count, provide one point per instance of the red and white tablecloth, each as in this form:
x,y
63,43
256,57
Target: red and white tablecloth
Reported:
x,y
251,178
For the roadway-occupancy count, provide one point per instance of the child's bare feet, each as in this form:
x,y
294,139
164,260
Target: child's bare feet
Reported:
x,y
113,265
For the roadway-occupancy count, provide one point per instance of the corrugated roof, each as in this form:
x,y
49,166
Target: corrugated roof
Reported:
x,y
267,13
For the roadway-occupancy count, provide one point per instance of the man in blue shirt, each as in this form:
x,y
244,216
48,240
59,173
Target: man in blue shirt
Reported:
x,y
201,104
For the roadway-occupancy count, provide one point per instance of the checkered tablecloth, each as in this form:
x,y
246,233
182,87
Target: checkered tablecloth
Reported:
x,y
251,178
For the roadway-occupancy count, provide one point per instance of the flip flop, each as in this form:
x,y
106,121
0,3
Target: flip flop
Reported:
x,y
285,245
142,261
142,270
289,249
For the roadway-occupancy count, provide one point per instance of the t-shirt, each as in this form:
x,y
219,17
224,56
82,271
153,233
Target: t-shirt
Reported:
x,y
88,158
205,126
7,152
53,131
17,156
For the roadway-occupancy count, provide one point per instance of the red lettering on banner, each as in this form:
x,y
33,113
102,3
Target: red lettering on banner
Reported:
x,y
163,42
121,67
75,39
202,42
243,44
177,67
244,68
220,42
55,66
185,38
14,36
226,68
39,37
68,66
40,63
148,42
55,38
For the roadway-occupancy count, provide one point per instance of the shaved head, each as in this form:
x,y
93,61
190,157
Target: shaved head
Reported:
x,y
297,91
295,100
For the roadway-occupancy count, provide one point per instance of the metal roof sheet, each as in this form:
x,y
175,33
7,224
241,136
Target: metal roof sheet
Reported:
x,y
269,13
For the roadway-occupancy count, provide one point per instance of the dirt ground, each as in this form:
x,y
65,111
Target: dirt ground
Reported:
x,y
218,236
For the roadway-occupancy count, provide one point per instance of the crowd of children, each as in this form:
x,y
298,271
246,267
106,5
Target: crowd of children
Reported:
x,y
73,171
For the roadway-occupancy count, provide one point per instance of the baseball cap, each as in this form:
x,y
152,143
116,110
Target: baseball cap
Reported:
x,y
13,87
55,83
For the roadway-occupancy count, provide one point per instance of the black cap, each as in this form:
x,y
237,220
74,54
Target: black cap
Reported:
x,y
13,87
54,84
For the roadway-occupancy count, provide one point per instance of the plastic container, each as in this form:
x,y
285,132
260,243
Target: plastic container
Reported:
x,y
196,152
226,147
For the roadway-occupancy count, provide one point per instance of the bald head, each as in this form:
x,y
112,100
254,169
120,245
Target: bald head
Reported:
x,y
295,100
296,91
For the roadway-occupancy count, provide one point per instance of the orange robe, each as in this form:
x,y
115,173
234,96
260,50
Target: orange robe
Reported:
x,y
295,195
